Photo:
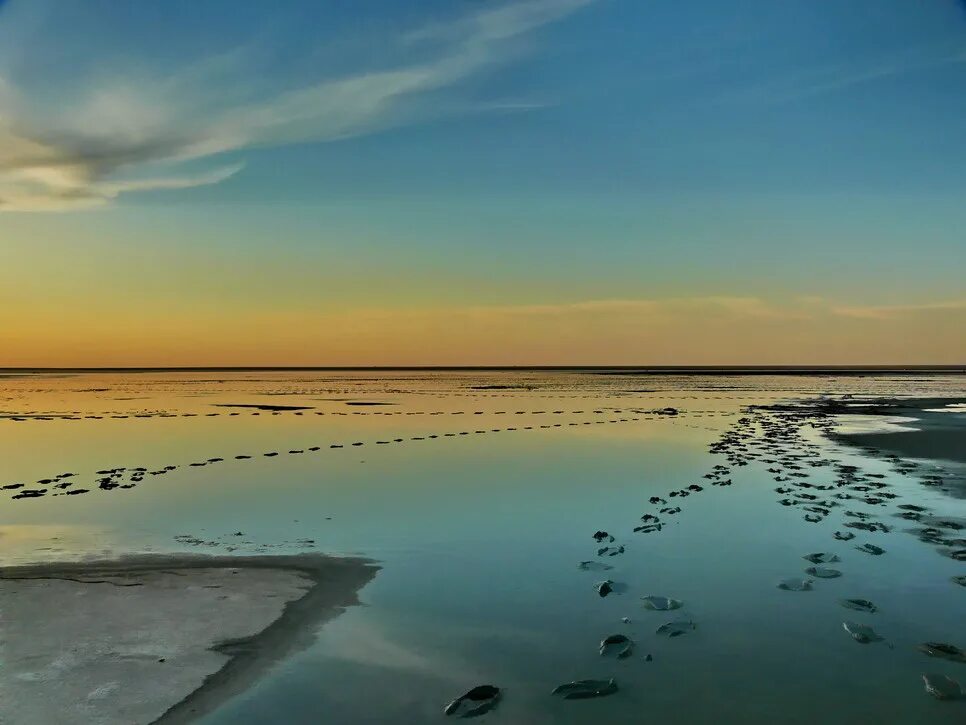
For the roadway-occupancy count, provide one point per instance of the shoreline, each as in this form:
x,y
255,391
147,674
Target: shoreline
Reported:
x,y
318,587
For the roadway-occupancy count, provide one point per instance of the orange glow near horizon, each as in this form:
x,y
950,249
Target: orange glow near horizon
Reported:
x,y
682,331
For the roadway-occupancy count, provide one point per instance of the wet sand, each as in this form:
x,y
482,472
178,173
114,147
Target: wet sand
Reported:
x,y
939,443
157,638
937,434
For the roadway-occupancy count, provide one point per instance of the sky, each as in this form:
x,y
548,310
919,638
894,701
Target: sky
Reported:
x,y
482,182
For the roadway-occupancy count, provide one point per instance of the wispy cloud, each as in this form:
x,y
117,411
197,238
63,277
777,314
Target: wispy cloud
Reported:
x,y
141,134
821,80
895,312
747,307
717,316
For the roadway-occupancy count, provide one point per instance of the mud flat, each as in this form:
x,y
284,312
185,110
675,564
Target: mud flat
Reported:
x,y
936,428
157,638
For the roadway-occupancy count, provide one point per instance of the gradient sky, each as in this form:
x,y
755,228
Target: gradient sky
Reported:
x,y
208,182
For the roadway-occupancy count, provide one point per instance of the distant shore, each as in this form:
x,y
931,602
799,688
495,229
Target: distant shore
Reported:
x,y
162,638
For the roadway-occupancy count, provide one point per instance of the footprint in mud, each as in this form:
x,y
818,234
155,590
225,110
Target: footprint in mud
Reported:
x,y
942,687
943,651
477,701
618,645
604,588
823,572
610,550
594,566
585,689
661,604
30,493
676,628
859,605
861,633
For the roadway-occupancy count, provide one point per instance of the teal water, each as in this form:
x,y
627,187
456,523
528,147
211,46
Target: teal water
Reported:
x,y
479,536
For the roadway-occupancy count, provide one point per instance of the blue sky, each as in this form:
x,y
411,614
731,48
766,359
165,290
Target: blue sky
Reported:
x,y
538,151
612,97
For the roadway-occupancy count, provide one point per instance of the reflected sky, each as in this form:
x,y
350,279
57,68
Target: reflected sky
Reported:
x,y
479,537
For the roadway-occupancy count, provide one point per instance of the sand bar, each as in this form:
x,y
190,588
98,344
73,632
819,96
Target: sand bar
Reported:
x,y
157,638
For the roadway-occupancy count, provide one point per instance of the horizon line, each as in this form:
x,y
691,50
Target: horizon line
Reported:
x,y
640,369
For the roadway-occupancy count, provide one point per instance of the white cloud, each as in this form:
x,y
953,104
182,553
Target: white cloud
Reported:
x,y
139,133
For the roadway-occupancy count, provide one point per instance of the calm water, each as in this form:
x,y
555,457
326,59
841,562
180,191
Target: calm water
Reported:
x,y
479,536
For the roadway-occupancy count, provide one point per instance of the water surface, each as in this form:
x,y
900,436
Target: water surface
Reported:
x,y
480,532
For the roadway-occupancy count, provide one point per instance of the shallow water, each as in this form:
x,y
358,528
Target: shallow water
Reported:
x,y
479,536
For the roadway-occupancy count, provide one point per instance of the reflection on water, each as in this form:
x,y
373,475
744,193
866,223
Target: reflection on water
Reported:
x,y
480,493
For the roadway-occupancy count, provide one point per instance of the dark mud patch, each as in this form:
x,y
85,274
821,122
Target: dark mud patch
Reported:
x,y
262,406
